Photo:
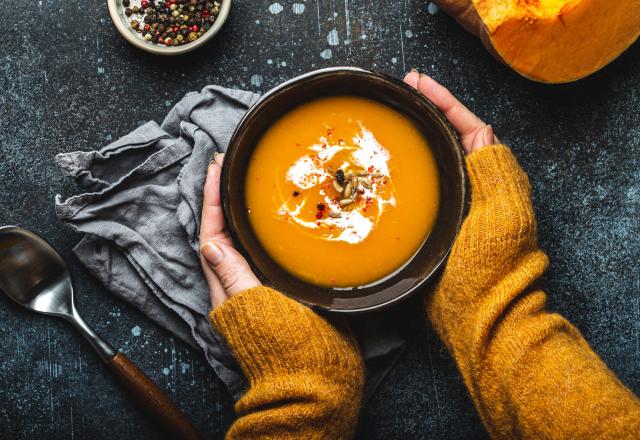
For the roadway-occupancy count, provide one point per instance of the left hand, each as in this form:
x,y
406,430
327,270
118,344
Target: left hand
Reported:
x,y
225,269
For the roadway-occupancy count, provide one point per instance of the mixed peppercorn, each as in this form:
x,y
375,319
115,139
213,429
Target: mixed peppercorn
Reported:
x,y
172,22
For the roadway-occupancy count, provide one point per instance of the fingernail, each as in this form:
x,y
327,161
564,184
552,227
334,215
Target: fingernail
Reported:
x,y
487,135
414,70
213,159
211,252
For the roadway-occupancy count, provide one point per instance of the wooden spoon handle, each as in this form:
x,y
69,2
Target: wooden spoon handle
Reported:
x,y
152,398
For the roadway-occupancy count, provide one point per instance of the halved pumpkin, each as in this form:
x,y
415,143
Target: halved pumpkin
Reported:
x,y
551,41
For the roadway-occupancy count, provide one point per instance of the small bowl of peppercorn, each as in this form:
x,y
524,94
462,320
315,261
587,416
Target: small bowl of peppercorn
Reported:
x,y
168,27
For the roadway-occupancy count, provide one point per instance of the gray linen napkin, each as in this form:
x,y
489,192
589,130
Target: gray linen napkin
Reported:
x,y
140,213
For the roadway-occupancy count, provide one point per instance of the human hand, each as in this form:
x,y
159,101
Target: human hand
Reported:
x,y
474,134
225,269
500,224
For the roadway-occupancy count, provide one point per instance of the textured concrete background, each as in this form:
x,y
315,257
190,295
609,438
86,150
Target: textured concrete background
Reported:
x,y
68,81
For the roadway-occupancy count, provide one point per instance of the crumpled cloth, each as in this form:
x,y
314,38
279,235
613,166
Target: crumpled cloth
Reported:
x,y
139,211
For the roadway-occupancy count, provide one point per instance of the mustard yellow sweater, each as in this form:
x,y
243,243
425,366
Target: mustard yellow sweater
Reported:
x,y
529,372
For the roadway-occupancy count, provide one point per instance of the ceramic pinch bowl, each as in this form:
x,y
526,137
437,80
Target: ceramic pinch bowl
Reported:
x,y
123,25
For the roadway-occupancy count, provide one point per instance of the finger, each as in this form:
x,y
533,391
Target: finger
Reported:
x,y
412,78
229,266
462,119
217,294
212,222
482,138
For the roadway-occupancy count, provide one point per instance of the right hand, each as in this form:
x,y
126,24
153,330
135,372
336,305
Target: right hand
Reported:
x,y
500,226
474,134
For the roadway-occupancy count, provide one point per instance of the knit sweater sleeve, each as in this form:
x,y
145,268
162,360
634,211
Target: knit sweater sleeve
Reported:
x,y
530,373
305,375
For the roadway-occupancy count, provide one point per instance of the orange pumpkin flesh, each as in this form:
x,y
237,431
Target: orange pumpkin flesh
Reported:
x,y
553,41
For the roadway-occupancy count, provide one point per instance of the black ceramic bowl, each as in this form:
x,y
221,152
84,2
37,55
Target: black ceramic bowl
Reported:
x,y
395,94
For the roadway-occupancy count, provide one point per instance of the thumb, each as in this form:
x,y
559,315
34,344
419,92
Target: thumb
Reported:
x,y
230,267
484,136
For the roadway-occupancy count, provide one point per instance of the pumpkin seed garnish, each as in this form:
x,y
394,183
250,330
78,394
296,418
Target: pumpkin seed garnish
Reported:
x,y
334,214
338,187
365,182
348,190
346,202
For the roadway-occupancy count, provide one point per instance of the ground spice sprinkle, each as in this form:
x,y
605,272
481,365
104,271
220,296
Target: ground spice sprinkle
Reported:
x,y
171,22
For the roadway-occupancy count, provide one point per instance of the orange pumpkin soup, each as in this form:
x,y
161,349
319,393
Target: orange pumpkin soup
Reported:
x,y
342,191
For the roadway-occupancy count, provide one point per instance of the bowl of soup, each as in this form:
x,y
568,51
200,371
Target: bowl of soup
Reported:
x,y
344,189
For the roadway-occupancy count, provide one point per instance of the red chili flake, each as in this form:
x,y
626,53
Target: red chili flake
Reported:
x,y
319,215
369,202
298,145
318,223
370,169
296,194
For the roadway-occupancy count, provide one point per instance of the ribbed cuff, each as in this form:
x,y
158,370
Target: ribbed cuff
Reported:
x,y
271,334
494,171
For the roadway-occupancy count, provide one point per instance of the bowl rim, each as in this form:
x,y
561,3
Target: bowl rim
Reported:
x,y
132,37
453,138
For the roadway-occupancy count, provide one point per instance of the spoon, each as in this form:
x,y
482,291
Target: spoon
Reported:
x,y
35,276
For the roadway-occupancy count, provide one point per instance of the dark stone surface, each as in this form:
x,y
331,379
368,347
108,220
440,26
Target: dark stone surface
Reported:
x,y
70,82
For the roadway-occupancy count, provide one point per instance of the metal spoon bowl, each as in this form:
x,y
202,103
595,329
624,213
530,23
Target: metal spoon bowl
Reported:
x,y
34,275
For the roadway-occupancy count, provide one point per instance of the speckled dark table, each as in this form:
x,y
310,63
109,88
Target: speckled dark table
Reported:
x,y
68,81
